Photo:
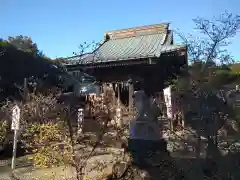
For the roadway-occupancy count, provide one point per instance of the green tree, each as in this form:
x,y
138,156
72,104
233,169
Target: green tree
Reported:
x,y
25,44
20,63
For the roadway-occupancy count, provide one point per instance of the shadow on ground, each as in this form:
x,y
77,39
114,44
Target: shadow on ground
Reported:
x,y
161,165
8,151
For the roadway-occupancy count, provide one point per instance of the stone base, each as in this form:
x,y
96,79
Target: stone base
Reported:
x,y
145,146
149,159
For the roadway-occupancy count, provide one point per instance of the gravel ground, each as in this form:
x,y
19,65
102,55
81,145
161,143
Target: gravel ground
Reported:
x,y
28,173
185,161
103,158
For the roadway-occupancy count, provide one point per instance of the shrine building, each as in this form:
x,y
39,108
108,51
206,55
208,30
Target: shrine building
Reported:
x,y
142,54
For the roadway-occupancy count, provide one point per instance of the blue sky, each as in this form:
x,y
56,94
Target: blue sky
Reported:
x,y
59,26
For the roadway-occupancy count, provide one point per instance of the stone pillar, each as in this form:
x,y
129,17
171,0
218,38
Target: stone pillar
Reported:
x,y
119,117
80,119
118,109
130,97
118,93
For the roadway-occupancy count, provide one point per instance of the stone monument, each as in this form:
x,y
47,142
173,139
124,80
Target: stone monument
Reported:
x,y
147,153
145,129
146,125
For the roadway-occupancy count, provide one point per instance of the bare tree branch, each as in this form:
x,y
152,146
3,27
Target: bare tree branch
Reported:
x,y
206,51
216,36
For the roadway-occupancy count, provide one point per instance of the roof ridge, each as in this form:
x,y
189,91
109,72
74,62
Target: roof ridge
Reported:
x,y
140,30
144,26
132,36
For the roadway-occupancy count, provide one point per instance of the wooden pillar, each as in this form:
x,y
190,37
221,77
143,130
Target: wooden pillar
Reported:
x,y
130,97
102,95
118,93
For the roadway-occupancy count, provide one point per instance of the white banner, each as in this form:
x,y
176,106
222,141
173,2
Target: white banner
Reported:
x,y
168,101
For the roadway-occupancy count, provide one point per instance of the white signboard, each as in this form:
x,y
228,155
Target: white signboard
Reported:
x,y
15,127
168,101
15,117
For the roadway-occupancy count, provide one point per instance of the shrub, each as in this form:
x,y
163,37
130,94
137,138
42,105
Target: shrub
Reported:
x,y
44,132
4,126
49,143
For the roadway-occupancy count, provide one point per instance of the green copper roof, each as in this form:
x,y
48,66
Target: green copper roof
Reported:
x,y
133,47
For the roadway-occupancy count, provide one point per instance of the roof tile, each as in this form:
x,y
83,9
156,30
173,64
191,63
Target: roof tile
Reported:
x,y
133,47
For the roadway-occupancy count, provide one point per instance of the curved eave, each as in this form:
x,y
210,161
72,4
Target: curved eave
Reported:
x,y
180,51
